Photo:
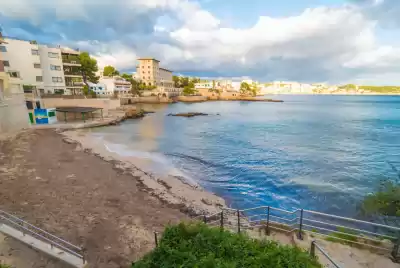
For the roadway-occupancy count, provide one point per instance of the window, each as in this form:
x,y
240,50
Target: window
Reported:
x,y
6,63
57,79
53,55
36,65
14,74
35,52
148,71
39,79
3,49
55,67
148,67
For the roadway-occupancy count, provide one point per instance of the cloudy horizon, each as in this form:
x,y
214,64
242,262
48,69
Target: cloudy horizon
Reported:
x,y
333,41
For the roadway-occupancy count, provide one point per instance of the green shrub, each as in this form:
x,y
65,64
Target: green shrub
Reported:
x,y
197,245
4,266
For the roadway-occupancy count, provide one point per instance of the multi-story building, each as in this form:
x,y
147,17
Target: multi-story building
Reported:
x,y
73,76
21,60
113,85
49,69
151,74
52,67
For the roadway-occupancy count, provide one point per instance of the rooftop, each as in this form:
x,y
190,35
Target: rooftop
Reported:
x,y
149,59
166,70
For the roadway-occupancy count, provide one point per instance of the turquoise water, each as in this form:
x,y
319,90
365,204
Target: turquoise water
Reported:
x,y
316,152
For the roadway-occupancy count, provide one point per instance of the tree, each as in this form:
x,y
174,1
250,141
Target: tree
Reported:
x,y
184,81
177,81
110,71
244,88
127,77
187,90
88,68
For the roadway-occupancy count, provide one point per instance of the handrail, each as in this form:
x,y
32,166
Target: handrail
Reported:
x,y
312,253
353,220
39,233
40,230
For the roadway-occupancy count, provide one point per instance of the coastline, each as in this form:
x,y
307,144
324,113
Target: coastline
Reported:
x,y
175,191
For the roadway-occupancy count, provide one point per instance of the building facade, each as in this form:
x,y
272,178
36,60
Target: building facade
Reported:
x,y
50,69
115,85
151,74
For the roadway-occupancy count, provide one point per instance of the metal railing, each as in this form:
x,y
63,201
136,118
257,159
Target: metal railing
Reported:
x,y
381,237
314,246
54,241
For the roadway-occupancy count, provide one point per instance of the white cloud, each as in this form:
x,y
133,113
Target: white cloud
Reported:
x,y
319,44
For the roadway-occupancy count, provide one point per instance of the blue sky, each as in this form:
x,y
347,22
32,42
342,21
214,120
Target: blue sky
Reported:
x,y
333,41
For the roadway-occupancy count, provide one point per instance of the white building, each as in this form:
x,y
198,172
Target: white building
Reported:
x,y
100,89
208,84
21,60
114,85
51,70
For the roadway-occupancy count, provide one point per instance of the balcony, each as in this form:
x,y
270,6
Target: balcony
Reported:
x,y
71,60
72,71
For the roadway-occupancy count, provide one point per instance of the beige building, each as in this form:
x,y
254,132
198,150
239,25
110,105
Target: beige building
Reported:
x,y
151,74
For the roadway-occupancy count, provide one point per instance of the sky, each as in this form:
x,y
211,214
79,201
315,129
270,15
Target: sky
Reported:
x,y
331,41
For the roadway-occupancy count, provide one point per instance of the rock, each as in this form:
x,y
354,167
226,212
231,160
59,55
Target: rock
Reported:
x,y
133,113
191,114
69,141
206,201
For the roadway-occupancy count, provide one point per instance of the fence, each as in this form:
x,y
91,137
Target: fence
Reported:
x,y
384,238
54,241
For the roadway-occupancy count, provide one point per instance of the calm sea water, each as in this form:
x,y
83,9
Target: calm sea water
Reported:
x,y
316,152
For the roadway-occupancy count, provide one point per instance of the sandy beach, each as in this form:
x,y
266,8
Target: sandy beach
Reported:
x,y
78,191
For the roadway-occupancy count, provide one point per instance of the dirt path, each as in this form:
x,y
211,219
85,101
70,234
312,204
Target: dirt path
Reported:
x,y
80,198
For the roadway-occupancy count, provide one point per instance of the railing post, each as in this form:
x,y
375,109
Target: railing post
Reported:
x,y
155,238
267,232
221,224
238,220
312,249
204,218
300,234
395,252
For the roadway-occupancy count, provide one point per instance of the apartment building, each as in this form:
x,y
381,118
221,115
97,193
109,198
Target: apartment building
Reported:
x,y
49,69
151,74
21,60
113,85
73,76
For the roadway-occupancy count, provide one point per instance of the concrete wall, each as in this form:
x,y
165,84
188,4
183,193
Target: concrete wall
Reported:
x,y
150,99
106,104
13,114
191,98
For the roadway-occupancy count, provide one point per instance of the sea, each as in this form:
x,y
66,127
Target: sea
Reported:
x,y
317,152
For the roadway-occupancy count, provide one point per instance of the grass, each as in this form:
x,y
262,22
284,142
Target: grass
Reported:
x,y
4,266
197,245
342,233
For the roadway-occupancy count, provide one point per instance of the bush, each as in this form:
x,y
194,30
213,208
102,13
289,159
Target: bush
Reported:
x,y
197,245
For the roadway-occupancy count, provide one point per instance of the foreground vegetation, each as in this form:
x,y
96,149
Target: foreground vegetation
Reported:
x,y
197,245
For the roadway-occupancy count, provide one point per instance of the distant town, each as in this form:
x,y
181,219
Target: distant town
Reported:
x,y
54,70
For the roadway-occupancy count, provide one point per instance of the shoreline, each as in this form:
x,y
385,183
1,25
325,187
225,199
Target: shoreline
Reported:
x,y
176,191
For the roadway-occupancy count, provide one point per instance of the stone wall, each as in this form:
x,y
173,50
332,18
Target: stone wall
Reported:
x,y
148,99
191,98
